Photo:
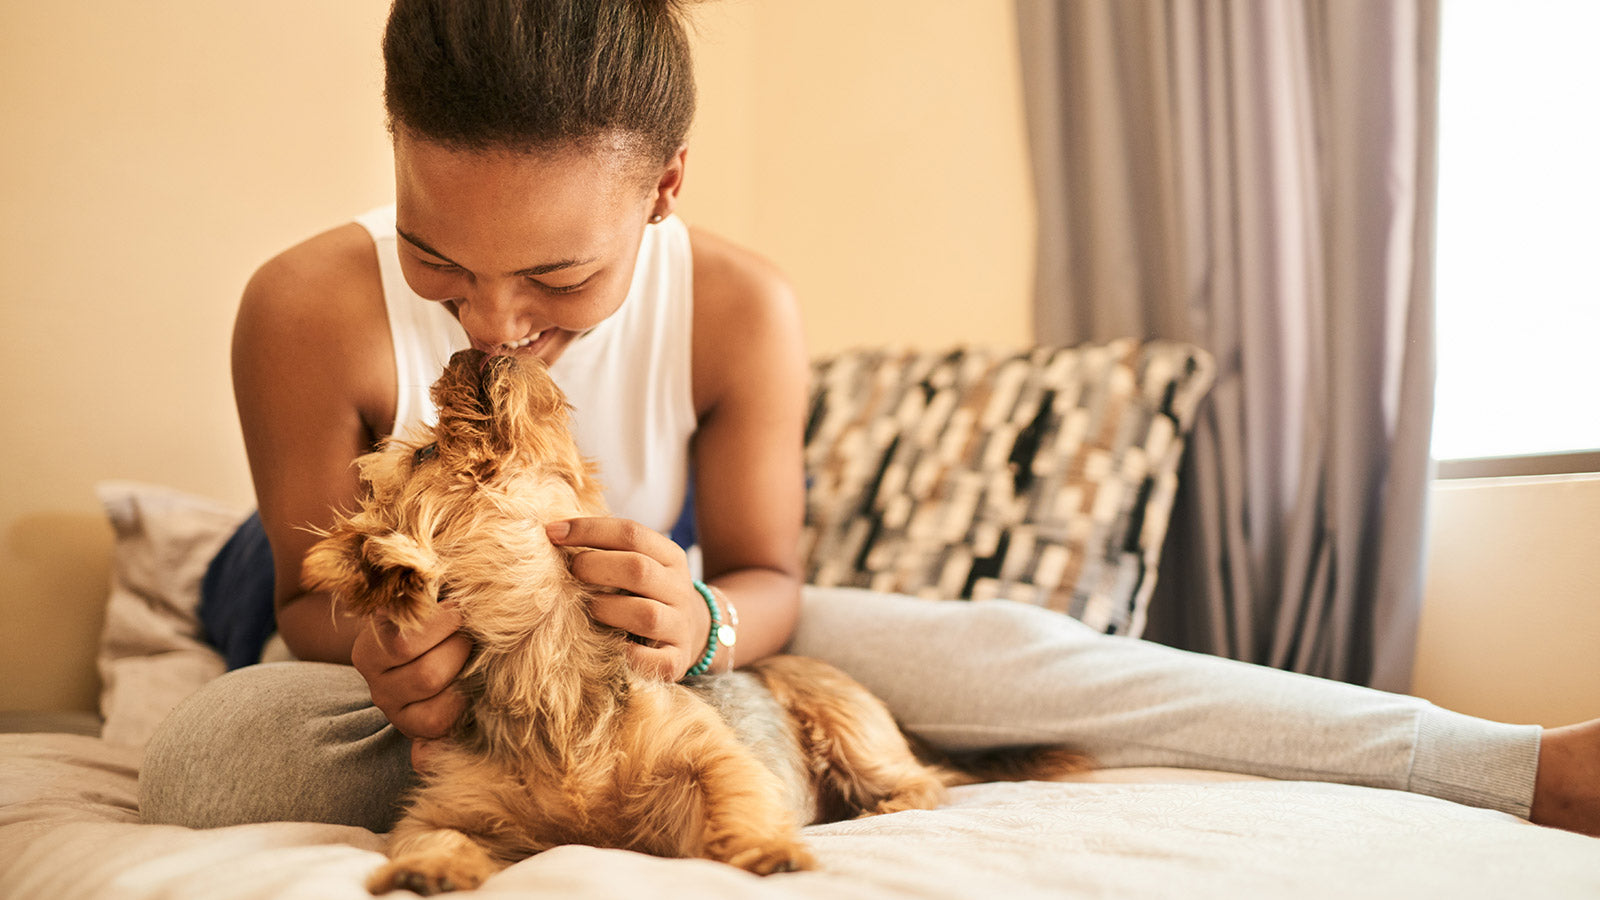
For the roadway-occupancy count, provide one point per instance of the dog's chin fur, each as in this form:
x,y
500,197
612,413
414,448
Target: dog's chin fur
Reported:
x,y
562,743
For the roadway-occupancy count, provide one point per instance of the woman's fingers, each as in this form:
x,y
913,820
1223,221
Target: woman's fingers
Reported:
x,y
669,639
623,556
645,617
628,572
433,717
383,646
646,590
409,674
611,533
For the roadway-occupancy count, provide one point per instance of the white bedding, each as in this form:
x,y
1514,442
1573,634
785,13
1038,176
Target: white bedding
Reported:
x,y
69,825
69,829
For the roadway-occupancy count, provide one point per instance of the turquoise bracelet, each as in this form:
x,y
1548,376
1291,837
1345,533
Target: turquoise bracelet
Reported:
x,y
701,667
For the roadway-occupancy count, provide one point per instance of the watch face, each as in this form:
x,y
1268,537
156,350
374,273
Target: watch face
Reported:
x,y
726,635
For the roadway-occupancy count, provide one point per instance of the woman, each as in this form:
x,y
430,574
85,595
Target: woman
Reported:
x,y
525,236
539,150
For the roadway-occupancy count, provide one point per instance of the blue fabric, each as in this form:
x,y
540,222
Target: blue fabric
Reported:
x,y
236,609
683,532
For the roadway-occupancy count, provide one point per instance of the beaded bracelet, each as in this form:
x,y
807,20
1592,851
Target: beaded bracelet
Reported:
x,y
704,664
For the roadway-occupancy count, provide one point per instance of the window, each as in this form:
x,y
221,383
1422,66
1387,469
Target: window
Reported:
x,y
1518,258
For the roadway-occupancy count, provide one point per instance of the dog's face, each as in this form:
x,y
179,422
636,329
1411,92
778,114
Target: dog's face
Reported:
x,y
461,515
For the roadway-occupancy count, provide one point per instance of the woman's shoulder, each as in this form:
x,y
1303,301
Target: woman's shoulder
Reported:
x,y
335,263
747,327
732,280
326,288
315,311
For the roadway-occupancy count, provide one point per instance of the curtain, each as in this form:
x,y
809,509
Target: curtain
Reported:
x,y
1257,177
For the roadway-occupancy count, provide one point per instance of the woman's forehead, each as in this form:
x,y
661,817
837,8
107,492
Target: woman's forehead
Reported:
x,y
496,206
601,168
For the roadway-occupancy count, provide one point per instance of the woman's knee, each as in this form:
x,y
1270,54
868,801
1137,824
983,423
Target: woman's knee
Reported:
x,y
290,741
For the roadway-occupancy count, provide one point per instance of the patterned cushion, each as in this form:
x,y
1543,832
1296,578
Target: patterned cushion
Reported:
x,y
1044,476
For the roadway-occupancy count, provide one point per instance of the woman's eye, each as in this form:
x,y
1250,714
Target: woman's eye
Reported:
x,y
439,267
559,289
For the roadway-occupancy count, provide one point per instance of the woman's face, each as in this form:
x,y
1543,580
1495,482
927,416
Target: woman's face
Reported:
x,y
527,251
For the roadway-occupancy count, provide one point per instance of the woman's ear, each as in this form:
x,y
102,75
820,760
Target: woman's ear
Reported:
x,y
668,186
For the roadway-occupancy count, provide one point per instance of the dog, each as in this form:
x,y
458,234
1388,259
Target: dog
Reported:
x,y
562,742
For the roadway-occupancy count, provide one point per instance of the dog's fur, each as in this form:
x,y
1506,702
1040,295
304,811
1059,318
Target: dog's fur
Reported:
x,y
562,742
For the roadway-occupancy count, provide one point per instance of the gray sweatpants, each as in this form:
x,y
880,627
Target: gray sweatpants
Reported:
x,y
302,741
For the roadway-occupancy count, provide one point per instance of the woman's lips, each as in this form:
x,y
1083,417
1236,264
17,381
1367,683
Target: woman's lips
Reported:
x,y
528,341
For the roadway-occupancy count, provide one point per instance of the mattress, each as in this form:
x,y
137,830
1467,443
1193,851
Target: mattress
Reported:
x,y
69,828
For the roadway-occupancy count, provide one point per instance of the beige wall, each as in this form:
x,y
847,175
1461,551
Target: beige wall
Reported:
x,y
1511,613
155,153
876,151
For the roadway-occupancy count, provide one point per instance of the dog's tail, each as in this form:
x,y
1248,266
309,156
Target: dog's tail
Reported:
x,y
1038,763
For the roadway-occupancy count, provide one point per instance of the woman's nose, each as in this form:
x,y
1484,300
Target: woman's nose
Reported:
x,y
493,314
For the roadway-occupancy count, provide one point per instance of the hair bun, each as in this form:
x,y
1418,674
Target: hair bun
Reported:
x,y
521,74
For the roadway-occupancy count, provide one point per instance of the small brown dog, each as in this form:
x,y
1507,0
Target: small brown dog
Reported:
x,y
562,742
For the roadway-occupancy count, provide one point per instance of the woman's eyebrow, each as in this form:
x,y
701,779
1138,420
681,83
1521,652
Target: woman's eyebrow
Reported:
x,y
557,266
420,244
542,269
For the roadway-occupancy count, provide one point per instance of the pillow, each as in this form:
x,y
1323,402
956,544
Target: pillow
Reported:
x,y
151,653
1045,476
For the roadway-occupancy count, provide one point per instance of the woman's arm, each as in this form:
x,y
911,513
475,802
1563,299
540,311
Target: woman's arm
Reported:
x,y
302,347
750,387
313,375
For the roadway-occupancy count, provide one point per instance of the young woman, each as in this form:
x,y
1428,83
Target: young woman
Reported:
x,y
539,153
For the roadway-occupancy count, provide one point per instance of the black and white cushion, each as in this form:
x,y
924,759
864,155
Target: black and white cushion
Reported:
x,y
1044,476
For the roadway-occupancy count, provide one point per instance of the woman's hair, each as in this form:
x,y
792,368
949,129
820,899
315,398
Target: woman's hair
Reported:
x,y
537,75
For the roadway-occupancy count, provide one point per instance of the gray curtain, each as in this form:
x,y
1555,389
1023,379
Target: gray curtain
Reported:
x,y
1257,177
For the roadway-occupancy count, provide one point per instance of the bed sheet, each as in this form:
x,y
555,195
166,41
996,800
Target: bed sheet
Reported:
x,y
69,824
69,829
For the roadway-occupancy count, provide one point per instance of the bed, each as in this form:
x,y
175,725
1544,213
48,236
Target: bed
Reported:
x,y
1106,433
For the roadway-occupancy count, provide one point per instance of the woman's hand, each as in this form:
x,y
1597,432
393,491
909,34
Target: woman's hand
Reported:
x,y
648,591
410,674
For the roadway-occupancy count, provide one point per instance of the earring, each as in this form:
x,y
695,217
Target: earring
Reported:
x,y
655,219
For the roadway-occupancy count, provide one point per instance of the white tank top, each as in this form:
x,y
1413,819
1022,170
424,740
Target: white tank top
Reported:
x,y
628,379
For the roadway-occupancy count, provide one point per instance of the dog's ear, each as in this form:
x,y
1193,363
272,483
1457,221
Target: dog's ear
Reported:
x,y
333,564
367,574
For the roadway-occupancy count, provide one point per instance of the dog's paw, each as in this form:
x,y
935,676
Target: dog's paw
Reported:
x,y
770,859
428,875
